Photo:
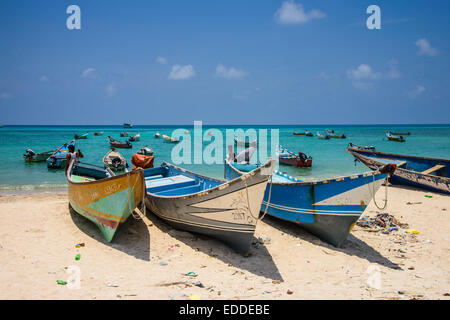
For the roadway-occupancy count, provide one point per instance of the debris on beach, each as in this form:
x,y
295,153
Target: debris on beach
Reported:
x,y
191,274
413,203
290,292
162,264
79,245
412,231
199,284
428,196
61,282
78,257
194,297
383,222
113,285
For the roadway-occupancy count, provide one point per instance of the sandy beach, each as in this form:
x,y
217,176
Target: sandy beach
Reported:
x,y
149,260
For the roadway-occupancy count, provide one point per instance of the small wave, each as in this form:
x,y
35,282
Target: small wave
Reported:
x,y
32,188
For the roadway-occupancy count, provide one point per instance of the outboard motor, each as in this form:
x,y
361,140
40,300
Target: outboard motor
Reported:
x,y
116,162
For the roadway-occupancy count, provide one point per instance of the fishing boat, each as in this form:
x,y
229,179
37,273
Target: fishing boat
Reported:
x,y
124,134
170,139
59,158
225,210
81,136
127,125
245,143
332,134
119,144
289,158
323,136
146,151
136,137
298,133
31,156
100,133
365,148
309,134
392,137
105,198
157,135
326,208
400,133
114,160
423,172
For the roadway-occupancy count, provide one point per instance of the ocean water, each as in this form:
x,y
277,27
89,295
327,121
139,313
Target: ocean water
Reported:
x,y
329,156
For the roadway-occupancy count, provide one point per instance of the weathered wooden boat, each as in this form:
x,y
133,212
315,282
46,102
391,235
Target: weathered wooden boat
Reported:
x,y
58,159
227,211
332,134
100,133
309,134
103,197
114,160
119,144
31,156
298,133
170,139
327,208
245,143
124,134
423,172
366,148
323,136
392,137
127,125
146,151
81,136
289,158
157,135
136,137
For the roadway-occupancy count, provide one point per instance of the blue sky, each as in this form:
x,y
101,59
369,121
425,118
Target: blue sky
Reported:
x,y
224,62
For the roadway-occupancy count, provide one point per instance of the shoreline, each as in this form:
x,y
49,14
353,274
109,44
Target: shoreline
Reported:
x,y
150,260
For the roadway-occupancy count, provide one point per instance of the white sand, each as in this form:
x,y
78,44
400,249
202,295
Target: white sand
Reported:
x,y
38,237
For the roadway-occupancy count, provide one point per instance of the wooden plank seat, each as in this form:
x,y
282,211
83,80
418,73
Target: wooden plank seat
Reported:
x,y
434,169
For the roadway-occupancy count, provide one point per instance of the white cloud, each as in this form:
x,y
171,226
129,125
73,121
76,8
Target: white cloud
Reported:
x,y
417,91
181,72
43,78
5,95
89,73
292,13
110,89
231,73
425,48
363,72
161,60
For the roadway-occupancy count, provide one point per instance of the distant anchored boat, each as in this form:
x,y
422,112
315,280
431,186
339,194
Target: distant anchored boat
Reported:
x,y
393,137
31,156
332,134
428,173
323,136
100,133
114,160
119,144
290,158
136,137
127,125
81,136
170,139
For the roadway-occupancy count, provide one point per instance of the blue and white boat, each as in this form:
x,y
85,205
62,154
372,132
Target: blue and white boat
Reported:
x,y
225,210
58,159
327,208
423,172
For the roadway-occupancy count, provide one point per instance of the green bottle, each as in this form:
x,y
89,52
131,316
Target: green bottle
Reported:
x,y
61,282
77,257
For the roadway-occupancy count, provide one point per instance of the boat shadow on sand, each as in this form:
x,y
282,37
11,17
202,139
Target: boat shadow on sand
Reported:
x,y
132,237
258,261
352,246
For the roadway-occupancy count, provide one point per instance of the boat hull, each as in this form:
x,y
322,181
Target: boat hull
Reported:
x,y
40,157
226,212
293,161
108,202
404,176
327,209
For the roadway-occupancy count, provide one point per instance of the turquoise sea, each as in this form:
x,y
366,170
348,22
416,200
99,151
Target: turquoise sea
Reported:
x,y
329,156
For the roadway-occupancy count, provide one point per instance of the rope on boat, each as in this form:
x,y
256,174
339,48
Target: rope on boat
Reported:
x,y
385,192
268,200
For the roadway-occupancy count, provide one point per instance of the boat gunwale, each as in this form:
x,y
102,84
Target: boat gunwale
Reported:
x,y
306,183
224,183
396,155
402,169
